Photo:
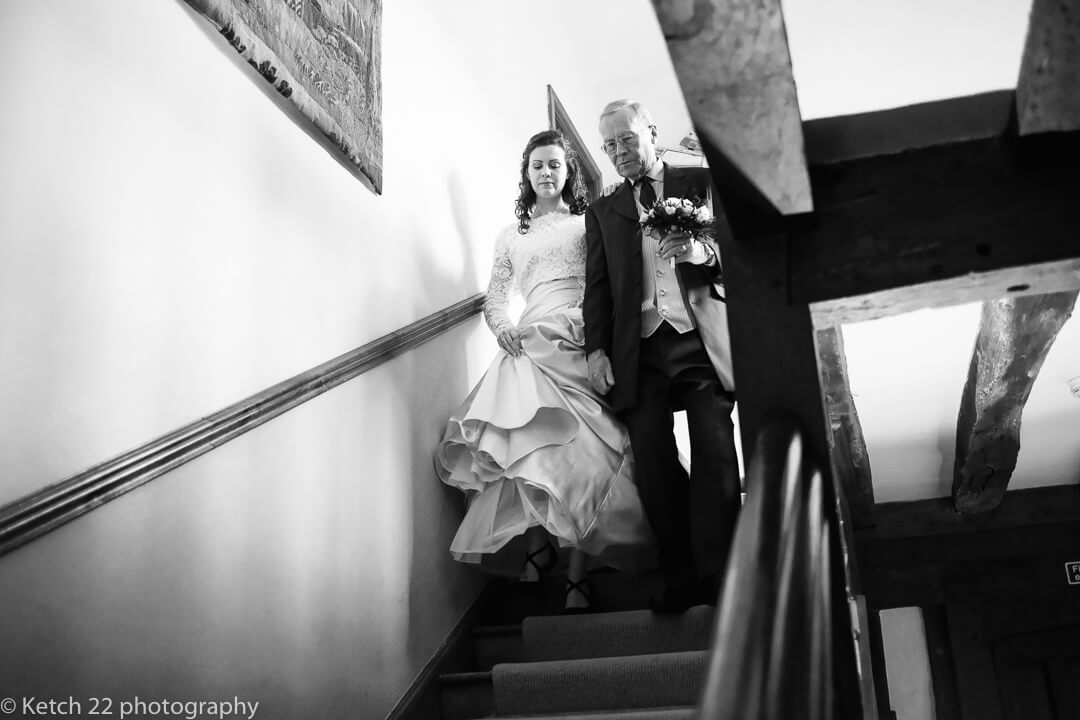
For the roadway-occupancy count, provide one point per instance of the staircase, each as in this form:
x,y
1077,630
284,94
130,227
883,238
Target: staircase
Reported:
x,y
624,663
789,620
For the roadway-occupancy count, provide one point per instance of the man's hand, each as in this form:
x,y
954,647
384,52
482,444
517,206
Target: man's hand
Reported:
x,y
510,340
600,376
683,248
610,189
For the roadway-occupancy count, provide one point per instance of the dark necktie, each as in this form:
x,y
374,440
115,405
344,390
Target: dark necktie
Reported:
x,y
647,194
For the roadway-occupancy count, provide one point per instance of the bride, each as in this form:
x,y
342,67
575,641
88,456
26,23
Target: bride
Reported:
x,y
538,453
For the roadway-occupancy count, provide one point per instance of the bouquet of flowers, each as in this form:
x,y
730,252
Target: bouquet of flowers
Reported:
x,y
670,215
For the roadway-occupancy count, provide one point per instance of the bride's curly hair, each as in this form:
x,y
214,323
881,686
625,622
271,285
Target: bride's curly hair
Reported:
x,y
574,190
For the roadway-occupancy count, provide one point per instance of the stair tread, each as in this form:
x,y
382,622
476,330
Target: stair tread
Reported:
x,y
466,695
497,630
493,644
682,712
465,677
631,632
613,660
593,684
619,662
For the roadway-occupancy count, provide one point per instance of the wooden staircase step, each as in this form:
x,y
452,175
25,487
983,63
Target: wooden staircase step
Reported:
x,y
466,696
616,634
666,713
494,644
595,684
617,662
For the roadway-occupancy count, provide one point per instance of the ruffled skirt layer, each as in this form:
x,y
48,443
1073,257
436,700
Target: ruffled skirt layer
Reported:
x,y
532,444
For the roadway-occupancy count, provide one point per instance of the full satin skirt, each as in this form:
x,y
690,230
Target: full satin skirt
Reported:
x,y
532,444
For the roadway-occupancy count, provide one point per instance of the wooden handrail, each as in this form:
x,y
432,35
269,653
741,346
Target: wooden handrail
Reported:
x,y
45,510
784,639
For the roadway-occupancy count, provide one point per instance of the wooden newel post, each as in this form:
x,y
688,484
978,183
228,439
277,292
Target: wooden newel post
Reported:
x,y
775,365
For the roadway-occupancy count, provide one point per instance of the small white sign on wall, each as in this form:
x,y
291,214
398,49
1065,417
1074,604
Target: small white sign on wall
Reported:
x,y
1072,570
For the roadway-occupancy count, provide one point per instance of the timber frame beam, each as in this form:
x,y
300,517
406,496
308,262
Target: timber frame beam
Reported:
x,y
733,64
925,553
847,447
1015,335
1046,96
970,206
941,213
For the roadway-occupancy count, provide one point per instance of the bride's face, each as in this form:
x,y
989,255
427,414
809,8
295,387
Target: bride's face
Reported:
x,y
547,171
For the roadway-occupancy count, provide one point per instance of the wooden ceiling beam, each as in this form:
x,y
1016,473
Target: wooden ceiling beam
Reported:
x,y
944,213
847,446
1016,563
1015,335
733,64
1047,505
884,132
1047,99
1009,282
924,552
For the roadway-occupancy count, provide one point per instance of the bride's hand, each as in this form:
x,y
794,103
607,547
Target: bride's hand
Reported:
x,y
610,189
600,375
510,340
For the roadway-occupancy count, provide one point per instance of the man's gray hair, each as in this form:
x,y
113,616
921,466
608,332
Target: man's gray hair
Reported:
x,y
633,108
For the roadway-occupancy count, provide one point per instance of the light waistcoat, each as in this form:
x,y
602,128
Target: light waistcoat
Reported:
x,y
662,297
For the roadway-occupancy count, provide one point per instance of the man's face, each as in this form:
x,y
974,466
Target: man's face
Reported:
x,y
629,144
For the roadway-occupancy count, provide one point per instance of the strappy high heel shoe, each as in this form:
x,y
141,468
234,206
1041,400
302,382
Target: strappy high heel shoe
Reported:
x,y
538,563
581,587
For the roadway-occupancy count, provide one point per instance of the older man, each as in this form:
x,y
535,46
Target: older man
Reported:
x,y
656,339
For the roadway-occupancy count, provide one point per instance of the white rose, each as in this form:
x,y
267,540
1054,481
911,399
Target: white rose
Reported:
x,y
702,214
669,210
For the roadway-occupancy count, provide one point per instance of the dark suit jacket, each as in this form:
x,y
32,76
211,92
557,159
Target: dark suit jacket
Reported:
x,y
612,306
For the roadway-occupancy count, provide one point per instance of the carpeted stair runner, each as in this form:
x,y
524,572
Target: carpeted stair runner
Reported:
x,y
625,665
683,713
628,665
636,632
563,686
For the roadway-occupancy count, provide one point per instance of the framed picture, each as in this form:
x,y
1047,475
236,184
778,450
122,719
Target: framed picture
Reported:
x,y
324,58
558,119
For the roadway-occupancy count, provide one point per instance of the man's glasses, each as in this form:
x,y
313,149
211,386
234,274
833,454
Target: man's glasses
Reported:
x,y
629,141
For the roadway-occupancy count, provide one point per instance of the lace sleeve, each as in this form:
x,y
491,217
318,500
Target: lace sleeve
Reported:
x,y
498,291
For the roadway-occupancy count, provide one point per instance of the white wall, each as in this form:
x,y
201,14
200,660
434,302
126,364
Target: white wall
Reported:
x,y
171,243
302,566
907,374
907,664
855,56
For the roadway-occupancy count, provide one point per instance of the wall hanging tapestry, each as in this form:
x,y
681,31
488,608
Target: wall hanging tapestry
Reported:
x,y
324,57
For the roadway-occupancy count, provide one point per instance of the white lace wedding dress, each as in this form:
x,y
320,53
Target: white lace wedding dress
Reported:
x,y
533,444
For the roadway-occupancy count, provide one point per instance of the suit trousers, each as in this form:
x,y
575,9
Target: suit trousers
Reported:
x,y
692,516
